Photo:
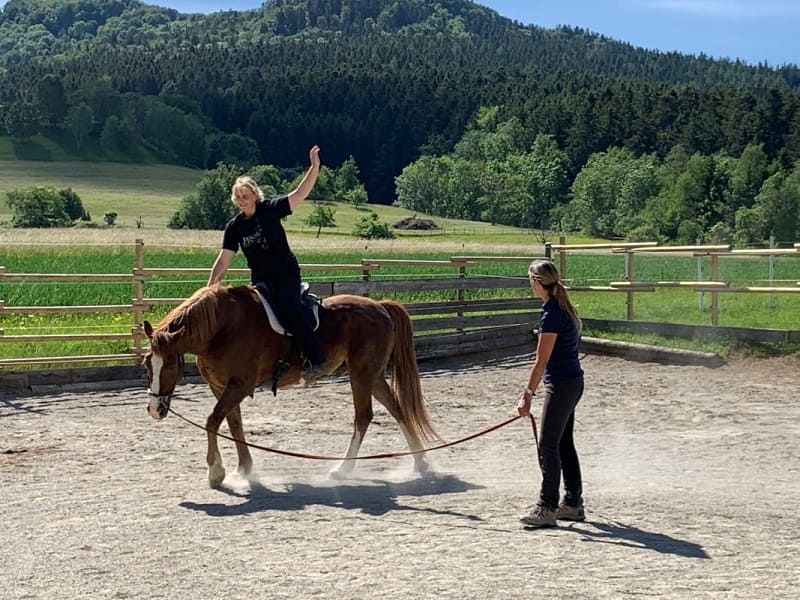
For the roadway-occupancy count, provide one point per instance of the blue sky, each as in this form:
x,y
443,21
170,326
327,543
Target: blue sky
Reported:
x,y
752,30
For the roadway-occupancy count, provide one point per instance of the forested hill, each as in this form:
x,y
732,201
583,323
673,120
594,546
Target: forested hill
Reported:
x,y
382,80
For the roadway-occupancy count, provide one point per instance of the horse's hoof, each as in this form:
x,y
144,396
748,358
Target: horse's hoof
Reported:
x,y
423,468
216,477
339,473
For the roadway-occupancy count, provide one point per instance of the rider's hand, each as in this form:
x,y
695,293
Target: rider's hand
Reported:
x,y
313,156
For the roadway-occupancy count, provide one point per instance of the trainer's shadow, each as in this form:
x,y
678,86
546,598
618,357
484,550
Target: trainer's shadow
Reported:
x,y
373,497
633,537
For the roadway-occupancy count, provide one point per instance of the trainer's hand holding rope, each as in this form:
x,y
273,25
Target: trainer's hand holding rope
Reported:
x,y
524,403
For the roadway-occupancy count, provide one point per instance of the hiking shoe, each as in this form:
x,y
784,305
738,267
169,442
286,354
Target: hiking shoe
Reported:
x,y
540,517
565,512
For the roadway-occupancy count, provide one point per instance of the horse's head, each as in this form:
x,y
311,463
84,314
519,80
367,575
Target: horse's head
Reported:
x,y
164,369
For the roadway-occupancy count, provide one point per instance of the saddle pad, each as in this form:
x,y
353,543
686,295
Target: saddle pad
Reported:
x,y
273,318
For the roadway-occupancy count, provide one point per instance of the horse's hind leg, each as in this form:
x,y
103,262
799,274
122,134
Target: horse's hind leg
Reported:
x,y
234,418
362,403
383,393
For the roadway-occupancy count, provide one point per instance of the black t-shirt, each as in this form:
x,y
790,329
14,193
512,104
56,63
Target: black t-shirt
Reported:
x,y
263,241
564,362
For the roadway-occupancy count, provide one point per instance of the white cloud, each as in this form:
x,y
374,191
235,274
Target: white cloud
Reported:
x,y
736,9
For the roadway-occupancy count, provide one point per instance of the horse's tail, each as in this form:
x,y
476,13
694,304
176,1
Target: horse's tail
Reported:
x,y
405,375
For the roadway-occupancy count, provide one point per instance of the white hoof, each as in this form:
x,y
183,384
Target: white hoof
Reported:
x,y
216,474
341,471
422,467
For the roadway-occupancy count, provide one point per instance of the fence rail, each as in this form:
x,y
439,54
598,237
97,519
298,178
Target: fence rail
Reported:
x,y
441,327
713,286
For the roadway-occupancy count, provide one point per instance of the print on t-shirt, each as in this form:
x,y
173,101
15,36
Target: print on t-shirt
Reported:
x,y
258,238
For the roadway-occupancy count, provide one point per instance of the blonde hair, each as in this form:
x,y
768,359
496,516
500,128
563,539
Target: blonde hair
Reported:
x,y
246,182
548,276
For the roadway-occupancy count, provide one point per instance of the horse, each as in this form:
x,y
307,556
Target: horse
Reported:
x,y
237,351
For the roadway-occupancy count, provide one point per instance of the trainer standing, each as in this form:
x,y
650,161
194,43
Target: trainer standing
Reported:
x,y
556,365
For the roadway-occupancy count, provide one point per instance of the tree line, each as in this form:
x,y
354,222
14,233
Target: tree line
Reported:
x,y
493,175
388,82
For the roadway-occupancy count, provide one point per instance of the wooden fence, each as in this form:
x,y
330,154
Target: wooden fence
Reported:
x,y
713,286
441,328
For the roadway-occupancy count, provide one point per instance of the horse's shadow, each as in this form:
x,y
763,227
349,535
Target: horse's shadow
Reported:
x,y
371,496
633,537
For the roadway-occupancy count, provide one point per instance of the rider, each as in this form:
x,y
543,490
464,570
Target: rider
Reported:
x,y
258,231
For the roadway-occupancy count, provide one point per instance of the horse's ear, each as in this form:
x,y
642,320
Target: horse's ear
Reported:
x,y
148,330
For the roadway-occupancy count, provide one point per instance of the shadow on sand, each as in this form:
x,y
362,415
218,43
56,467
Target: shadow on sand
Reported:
x,y
373,496
634,537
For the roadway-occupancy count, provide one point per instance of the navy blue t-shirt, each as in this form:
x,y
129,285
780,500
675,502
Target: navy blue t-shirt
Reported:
x,y
563,363
263,240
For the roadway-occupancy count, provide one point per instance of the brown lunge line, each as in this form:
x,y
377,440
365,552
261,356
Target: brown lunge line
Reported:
x,y
369,457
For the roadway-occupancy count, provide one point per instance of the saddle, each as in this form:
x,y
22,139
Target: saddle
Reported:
x,y
308,301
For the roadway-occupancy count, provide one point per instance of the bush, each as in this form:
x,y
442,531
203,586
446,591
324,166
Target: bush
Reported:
x,y
209,206
749,224
73,205
44,207
369,228
356,196
644,233
689,232
720,234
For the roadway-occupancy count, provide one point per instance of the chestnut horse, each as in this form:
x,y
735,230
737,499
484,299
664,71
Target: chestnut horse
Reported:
x,y
227,330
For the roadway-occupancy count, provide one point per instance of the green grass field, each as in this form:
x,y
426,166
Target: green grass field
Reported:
x,y
154,192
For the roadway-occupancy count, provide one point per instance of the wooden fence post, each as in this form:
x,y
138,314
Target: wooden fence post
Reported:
x,y
700,295
462,274
365,274
562,257
629,278
714,294
138,298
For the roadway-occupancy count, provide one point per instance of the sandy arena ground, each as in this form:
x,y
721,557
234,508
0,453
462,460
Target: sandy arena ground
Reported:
x,y
691,481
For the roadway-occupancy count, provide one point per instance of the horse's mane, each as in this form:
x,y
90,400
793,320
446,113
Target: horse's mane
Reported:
x,y
197,315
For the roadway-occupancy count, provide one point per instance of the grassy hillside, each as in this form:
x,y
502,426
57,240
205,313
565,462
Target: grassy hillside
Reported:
x,y
154,192
150,191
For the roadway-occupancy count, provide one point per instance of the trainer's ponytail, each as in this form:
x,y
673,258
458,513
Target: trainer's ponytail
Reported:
x,y
547,274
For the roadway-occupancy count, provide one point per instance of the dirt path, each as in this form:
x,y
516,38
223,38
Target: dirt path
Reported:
x,y
691,479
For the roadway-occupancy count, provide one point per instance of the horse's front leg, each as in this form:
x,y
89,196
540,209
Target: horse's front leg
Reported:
x,y
234,419
228,400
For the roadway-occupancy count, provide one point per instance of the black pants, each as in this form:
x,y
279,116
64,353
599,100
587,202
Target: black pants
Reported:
x,y
295,319
556,446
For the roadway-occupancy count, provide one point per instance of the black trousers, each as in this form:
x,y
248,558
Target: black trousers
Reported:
x,y
295,319
556,446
